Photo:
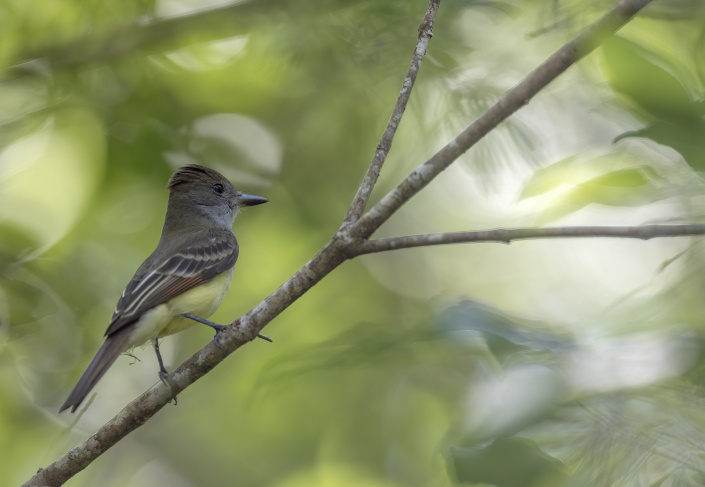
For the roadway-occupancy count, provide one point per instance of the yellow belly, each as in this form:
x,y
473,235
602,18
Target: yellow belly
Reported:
x,y
166,319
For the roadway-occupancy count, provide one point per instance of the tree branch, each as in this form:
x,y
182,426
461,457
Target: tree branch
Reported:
x,y
504,235
341,247
509,103
368,183
240,332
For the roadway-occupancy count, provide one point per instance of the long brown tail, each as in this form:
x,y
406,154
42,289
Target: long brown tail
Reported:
x,y
107,354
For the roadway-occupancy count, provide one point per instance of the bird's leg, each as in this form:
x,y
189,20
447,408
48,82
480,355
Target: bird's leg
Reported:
x,y
163,374
218,328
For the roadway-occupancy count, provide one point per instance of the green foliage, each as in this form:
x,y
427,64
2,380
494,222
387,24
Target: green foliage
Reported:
x,y
615,184
628,67
489,464
676,119
531,364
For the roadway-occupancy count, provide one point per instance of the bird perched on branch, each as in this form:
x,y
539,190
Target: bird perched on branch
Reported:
x,y
186,277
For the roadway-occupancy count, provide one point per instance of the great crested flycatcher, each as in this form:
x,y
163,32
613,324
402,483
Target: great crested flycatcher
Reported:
x,y
186,277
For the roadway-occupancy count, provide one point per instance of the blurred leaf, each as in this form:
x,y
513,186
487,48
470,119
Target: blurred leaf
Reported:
x,y
48,178
626,178
699,54
667,263
573,170
25,303
675,9
688,138
660,481
15,244
507,8
513,399
628,67
634,438
626,187
504,334
363,345
508,462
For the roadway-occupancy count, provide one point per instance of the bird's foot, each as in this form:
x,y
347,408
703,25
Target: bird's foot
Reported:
x,y
221,328
163,374
218,330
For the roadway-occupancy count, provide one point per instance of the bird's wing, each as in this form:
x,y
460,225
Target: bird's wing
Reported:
x,y
187,269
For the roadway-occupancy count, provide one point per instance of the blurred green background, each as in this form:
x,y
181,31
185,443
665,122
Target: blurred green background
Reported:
x,y
543,363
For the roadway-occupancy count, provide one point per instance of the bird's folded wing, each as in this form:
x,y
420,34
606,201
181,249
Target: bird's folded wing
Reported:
x,y
187,269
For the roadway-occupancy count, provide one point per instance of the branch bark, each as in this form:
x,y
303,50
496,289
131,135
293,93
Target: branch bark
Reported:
x,y
344,245
370,179
509,103
505,235
242,331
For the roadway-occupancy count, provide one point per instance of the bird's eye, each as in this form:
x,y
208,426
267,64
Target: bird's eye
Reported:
x,y
218,188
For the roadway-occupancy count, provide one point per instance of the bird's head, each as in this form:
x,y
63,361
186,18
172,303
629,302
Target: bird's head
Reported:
x,y
209,193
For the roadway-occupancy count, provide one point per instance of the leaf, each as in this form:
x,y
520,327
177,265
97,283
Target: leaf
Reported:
x,y
666,263
572,171
631,72
506,8
25,304
503,333
625,178
508,462
686,138
626,187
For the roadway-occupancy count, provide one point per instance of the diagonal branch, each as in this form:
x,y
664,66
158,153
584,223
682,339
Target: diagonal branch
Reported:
x,y
505,235
509,103
368,183
344,245
149,403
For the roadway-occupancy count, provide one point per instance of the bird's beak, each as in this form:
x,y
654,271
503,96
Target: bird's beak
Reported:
x,y
249,200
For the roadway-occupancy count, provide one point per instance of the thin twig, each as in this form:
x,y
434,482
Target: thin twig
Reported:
x,y
505,235
509,103
385,144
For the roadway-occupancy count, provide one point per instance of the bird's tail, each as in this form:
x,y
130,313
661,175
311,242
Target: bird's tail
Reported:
x,y
107,354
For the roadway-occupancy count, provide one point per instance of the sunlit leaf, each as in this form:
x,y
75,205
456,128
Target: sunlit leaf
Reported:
x,y
626,187
573,170
47,178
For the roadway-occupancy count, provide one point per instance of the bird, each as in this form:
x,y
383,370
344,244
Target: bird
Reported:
x,y
184,280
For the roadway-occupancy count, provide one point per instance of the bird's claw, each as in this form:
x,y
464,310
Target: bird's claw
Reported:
x,y
163,374
219,329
